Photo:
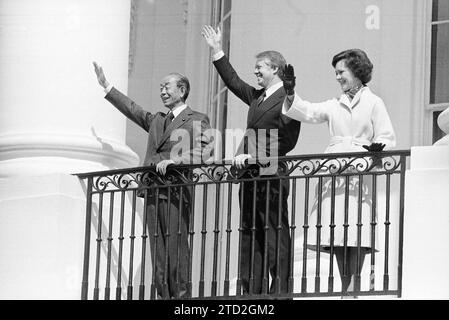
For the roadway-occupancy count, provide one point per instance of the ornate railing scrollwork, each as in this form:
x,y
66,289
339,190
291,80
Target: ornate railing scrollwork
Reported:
x,y
223,171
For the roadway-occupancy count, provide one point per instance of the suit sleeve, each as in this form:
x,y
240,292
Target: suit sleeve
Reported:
x,y
240,88
130,109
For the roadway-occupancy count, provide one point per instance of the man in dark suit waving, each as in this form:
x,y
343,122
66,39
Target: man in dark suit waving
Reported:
x,y
190,144
269,131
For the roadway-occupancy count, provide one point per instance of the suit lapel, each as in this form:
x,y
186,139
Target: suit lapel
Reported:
x,y
267,105
159,129
177,122
252,109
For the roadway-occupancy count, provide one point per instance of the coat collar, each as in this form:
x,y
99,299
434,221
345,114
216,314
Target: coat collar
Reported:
x,y
344,100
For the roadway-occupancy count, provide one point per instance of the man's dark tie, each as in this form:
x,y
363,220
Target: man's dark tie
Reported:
x,y
168,119
262,96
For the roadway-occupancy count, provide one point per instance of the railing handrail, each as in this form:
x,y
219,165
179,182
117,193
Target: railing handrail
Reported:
x,y
225,162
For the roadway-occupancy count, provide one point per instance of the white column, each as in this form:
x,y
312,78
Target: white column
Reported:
x,y
426,224
53,117
54,121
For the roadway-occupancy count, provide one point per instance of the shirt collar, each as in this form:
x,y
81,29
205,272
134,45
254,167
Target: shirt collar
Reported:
x,y
269,91
177,110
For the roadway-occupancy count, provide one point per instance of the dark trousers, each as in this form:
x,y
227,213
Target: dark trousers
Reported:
x,y
168,225
265,236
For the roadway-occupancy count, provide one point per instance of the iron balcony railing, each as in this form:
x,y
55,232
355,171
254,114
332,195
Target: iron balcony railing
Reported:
x,y
336,203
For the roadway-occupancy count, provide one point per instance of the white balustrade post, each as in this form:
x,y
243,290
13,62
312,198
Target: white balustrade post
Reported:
x,y
426,224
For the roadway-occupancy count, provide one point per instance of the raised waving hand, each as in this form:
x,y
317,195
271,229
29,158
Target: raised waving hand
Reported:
x,y
100,75
212,37
289,79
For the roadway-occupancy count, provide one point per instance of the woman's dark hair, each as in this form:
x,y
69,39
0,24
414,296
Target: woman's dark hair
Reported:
x,y
358,62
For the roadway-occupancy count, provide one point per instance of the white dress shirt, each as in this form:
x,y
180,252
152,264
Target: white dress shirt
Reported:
x,y
177,110
352,124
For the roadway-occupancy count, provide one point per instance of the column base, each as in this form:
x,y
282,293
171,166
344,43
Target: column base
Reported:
x,y
45,153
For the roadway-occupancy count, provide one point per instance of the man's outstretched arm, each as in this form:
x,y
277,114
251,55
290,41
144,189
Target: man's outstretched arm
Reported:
x,y
124,104
240,88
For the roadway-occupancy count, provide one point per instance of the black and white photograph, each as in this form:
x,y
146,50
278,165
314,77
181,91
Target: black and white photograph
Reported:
x,y
227,157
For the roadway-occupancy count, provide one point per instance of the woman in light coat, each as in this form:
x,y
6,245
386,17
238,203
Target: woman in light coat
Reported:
x,y
357,120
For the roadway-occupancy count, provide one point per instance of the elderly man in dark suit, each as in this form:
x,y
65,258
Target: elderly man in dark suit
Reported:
x,y
269,131
178,137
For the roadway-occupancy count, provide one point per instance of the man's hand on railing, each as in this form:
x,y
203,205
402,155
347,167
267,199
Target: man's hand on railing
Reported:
x,y
161,167
240,161
375,147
